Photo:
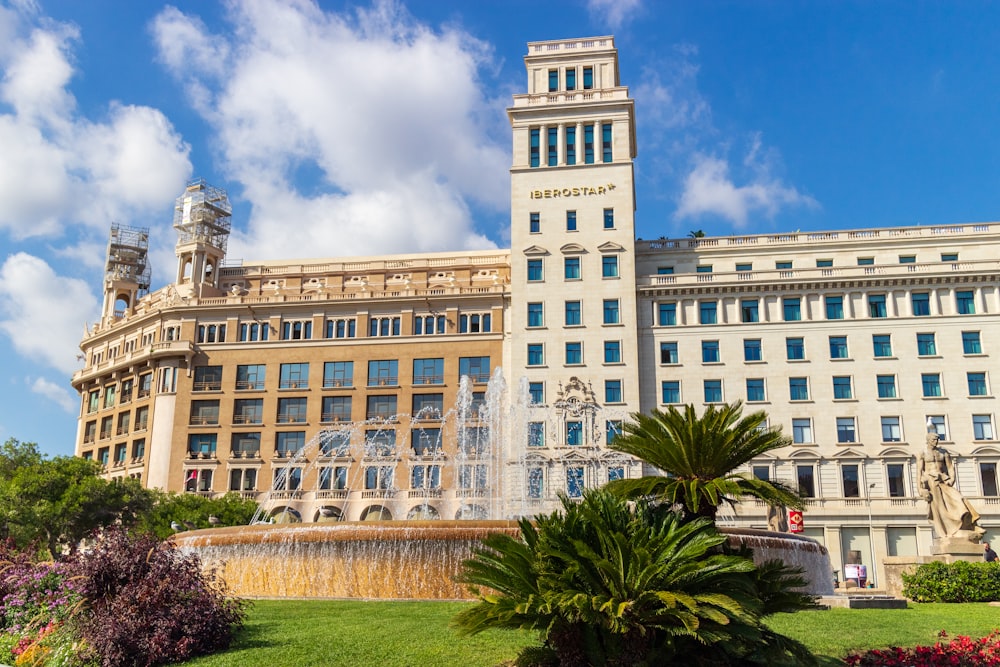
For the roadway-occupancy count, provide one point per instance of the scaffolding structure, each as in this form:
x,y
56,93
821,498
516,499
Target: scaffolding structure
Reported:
x,y
128,255
203,214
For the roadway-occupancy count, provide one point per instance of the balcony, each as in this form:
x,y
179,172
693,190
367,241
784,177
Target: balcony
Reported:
x,y
248,419
384,494
249,385
293,384
338,383
286,495
329,418
472,493
206,420
387,381
209,385
291,418
428,379
425,493
333,494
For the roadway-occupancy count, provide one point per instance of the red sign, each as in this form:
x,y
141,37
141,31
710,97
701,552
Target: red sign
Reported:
x,y
795,521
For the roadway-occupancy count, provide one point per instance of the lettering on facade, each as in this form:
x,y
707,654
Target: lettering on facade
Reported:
x,y
584,191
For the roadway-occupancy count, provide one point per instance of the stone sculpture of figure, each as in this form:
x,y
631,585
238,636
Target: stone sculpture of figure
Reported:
x,y
949,512
777,518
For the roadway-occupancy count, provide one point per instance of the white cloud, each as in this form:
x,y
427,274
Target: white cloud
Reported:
x,y
56,393
59,169
384,119
709,190
42,313
614,13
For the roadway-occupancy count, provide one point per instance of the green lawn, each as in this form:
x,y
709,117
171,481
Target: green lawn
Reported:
x,y
398,634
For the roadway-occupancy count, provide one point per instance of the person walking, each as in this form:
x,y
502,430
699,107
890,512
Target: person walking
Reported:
x,y
988,553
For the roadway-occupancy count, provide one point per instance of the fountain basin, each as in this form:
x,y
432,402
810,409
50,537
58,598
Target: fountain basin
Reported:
x,y
402,559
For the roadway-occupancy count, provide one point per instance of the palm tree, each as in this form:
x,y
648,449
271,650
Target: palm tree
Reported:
x,y
696,234
699,455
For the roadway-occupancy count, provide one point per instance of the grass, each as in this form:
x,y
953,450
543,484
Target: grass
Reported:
x,y
335,633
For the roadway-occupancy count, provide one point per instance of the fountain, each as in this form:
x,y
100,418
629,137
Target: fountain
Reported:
x,y
344,541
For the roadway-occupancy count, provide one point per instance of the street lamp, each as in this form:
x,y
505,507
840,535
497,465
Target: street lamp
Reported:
x,y
871,533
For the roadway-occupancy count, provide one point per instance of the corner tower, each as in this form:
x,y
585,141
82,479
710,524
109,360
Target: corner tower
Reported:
x,y
573,346
202,218
126,272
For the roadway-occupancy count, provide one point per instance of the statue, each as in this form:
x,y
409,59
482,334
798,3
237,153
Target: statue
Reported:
x,y
949,512
777,518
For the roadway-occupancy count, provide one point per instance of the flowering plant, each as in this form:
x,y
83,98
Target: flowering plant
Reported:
x,y
960,652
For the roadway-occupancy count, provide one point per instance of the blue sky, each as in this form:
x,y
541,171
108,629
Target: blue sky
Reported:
x,y
341,128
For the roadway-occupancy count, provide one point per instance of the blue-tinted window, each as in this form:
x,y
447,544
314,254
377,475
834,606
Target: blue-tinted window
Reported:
x,y
749,310
792,309
612,314
671,391
666,314
533,150
795,348
476,368
536,434
876,305
921,302
574,354
971,343
846,430
886,385
926,345
536,392
570,221
534,223
982,427
752,349
612,352
965,302
570,79
574,433
609,266
713,391
588,78
571,267
823,263
606,141
536,355
573,314
588,143
710,351
707,312
949,257
553,145
842,387
553,80
535,270
755,389
612,391
383,372
570,141
703,268
338,374
977,384
428,371
536,315
294,376
536,482
834,307
866,261
798,389
612,429
297,330
838,347
931,383
609,218
252,376
882,345
668,353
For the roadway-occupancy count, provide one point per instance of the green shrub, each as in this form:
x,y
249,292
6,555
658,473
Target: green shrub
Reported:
x,y
960,581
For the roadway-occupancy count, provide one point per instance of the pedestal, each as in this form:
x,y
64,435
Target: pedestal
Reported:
x,y
951,549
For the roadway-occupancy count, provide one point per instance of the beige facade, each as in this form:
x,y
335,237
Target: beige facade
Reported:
x,y
334,388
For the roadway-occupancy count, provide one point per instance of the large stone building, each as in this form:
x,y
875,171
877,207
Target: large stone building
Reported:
x,y
485,383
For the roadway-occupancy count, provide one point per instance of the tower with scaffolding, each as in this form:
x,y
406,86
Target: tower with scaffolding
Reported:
x,y
126,273
202,219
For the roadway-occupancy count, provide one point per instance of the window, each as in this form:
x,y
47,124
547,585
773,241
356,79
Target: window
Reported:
x,y
553,146
886,385
254,331
671,391
710,351
535,273
763,473
574,433
288,444
606,142
664,270
588,143
570,80
782,266
425,477
707,312
609,266
792,309
921,304
988,477
703,268
842,387
570,133
476,368
846,430
798,389
338,374
248,411
834,307
536,482
866,261
291,410
574,354
211,333
474,476
536,393
882,345
666,314
202,444
749,310
752,349
876,305
378,477
977,384
755,389
971,343
936,423
926,346
609,218
428,371
384,326
109,395
553,80
383,373
612,391
570,221
612,352
611,312
824,263
336,409
571,266
931,383
294,376
588,78
206,378
805,475
536,354
428,406
668,353
849,477
296,330
982,427
897,486
907,259
612,429
139,449
744,267
713,391
573,315
890,430
428,325
536,434
245,445
574,482
93,401
474,323
802,431
965,303
795,349
535,315
533,146
203,413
